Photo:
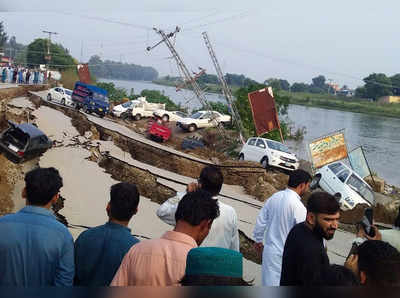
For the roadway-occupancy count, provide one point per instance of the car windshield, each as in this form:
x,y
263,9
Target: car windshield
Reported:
x,y
68,92
361,187
196,115
278,146
127,104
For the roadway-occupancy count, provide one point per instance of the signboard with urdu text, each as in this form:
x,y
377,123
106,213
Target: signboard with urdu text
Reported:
x,y
328,149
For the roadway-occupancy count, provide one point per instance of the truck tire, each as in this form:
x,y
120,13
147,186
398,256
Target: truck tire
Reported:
x,y
124,116
241,157
138,117
315,181
49,97
192,128
63,101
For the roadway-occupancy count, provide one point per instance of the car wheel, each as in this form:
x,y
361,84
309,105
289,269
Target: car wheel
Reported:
x,y
192,128
265,163
49,97
63,101
315,181
165,118
138,117
241,157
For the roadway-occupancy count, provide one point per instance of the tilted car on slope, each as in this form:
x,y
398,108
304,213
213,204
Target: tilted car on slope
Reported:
x,y
24,141
338,178
269,153
60,95
169,115
124,110
203,119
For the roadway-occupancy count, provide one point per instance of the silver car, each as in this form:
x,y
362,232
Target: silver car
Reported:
x,y
338,178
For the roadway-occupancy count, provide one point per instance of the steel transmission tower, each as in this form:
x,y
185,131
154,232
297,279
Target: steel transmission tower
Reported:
x,y
188,78
225,87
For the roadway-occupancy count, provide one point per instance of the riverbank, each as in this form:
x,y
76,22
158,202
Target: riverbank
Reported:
x,y
343,104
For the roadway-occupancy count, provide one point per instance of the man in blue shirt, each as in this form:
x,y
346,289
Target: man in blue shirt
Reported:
x,y
99,251
35,249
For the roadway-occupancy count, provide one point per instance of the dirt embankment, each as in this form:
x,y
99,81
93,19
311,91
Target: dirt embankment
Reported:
x,y
11,173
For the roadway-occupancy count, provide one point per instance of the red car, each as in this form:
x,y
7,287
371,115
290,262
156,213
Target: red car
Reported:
x,y
158,131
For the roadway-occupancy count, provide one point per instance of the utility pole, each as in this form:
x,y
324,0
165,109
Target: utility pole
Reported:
x,y
225,88
196,88
48,56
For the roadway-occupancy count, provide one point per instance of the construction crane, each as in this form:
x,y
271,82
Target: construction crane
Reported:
x,y
188,78
225,88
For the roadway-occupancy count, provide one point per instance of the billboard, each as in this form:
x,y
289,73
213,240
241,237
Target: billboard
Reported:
x,y
328,149
84,73
359,163
264,112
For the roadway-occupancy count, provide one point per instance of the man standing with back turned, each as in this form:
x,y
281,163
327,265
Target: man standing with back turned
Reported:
x,y
35,249
280,213
99,251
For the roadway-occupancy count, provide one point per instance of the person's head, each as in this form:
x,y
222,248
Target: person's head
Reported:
x,y
195,214
323,213
211,180
42,187
214,266
378,264
124,201
337,275
299,180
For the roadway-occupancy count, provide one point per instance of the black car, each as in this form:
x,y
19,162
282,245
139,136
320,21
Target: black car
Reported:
x,y
24,141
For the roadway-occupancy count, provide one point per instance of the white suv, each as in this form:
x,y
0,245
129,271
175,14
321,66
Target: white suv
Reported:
x,y
269,153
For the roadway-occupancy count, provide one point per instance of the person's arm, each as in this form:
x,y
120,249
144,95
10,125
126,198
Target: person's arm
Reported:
x,y
235,244
64,275
259,228
166,211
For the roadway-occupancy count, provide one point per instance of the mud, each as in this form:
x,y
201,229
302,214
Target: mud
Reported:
x,y
145,181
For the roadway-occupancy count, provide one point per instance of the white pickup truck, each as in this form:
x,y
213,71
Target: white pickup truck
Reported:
x,y
142,108
203,119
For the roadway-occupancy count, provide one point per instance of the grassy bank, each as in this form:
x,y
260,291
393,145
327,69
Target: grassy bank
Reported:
x,y
343,104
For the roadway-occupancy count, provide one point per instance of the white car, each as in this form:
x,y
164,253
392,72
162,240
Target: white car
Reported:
x,y
60,95
170,115
269,153
203,119
339,178
122,109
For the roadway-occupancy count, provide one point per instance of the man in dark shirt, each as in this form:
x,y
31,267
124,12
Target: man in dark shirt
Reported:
x,y
304,255
99,251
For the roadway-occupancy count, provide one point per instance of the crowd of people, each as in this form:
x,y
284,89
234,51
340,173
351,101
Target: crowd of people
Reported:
x,y
202,248
22,75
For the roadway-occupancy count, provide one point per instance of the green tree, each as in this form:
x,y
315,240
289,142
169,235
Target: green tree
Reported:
x,y
396,84
300,87
361,92
3,35
114,93
377,85
319,81
37,50
156,96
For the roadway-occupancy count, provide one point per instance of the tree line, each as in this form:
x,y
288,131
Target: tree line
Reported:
x,y
117,70
378,84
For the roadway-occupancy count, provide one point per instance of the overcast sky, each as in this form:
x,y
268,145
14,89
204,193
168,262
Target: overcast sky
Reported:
x,y
293,40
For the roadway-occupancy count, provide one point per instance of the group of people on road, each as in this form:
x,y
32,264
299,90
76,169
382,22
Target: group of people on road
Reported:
x,y
201,249
292,238
22,75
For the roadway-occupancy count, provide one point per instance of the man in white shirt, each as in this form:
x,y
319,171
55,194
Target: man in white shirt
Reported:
x,y
279,214
224,231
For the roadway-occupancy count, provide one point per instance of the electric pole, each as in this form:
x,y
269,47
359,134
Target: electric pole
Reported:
x,y
48,56
196,88
225,87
